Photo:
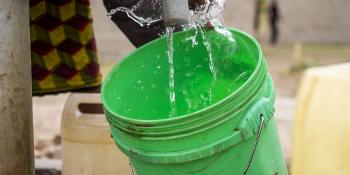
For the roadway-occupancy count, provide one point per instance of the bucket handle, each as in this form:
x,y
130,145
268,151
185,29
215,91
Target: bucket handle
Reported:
x,y
250,161
131,167
252,125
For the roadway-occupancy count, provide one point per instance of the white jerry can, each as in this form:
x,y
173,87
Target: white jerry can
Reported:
x,y
88,148
322,122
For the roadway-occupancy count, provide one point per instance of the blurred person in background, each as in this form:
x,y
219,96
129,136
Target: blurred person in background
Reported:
x,y
274,16
257,12
261,26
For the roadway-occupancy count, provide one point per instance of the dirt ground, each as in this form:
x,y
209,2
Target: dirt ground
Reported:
x,y
113,46
281,64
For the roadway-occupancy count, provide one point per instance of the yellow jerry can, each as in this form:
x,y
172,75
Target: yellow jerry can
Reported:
x,y
322,123
88,148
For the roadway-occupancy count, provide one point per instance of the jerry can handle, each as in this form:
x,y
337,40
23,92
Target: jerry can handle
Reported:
x,y
80,106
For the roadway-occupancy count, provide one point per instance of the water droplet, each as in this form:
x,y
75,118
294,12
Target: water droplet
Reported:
x,y
189,74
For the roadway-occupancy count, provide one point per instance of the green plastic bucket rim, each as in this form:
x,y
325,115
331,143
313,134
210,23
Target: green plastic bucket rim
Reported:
x,y
246,129
185,155
177,118
172,134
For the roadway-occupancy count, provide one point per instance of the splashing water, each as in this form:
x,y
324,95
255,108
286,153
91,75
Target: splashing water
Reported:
x,y
139,20
147,17
210,14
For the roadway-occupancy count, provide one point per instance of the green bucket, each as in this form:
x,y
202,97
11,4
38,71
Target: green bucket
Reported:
x,y
221,127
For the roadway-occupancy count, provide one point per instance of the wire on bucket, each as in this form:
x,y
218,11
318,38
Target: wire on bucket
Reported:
x,y
132,168
262,124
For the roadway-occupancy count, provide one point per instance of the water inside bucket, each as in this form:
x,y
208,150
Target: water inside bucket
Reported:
x,y
139,86
203,66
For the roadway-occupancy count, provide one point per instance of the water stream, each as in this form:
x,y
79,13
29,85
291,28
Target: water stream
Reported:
x,y
170,53
204,18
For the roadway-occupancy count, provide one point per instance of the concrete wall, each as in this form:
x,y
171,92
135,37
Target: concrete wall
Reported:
x,y
310,21
240,14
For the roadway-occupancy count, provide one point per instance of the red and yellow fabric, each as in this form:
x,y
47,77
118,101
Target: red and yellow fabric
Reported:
x,y
64,54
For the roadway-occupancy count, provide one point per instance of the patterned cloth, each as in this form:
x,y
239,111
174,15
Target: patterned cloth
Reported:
x,y
63,46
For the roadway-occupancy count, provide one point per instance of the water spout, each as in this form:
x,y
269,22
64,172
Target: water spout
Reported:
x,y
176,12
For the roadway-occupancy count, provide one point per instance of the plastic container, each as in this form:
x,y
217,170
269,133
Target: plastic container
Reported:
x,y
321,128
214,136
88,148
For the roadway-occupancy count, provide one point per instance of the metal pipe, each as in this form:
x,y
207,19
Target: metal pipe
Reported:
x,y
176,12
16,122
